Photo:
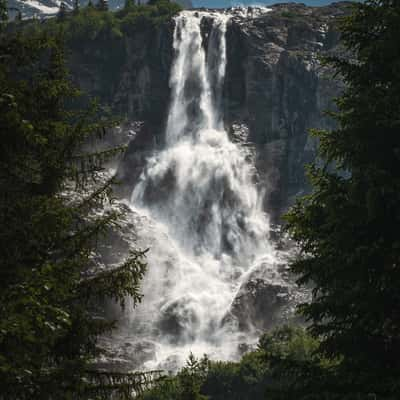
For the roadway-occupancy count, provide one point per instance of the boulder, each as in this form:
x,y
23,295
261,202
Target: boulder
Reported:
x,y
259,304
178,320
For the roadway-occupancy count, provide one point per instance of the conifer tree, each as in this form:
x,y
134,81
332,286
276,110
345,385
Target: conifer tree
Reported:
x,y
51,202
348,227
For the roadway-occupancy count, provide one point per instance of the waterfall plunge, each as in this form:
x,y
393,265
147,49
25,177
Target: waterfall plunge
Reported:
x,y
202,207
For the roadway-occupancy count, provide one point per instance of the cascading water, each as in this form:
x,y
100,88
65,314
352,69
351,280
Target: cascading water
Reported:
x,y
200,207
210,204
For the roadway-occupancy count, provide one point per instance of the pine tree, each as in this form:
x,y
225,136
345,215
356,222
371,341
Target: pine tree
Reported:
x,y
51,197
348,227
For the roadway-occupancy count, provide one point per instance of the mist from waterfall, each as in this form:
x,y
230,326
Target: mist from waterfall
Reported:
x,y
200,209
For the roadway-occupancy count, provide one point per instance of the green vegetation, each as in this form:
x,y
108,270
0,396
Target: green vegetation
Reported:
x,y
348,227
134,17
52,209
289,14
283,359
51,215
93,23
87,25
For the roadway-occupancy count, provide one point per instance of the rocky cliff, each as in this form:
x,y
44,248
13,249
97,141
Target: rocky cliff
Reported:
x,y
275,88
216,269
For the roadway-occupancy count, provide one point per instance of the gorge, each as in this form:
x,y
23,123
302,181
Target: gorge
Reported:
x,y
224,100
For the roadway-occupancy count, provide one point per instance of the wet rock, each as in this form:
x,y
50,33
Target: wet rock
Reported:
x,y
259,304
124,354
179,320
171,363
276,86
141,146
116,243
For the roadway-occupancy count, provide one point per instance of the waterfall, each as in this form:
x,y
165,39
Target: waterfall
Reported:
x,y
202,211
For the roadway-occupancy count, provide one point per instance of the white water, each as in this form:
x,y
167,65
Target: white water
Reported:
x,y
201,212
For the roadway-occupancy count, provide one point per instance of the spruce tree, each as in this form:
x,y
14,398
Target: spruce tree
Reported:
x,y
52,213
348,227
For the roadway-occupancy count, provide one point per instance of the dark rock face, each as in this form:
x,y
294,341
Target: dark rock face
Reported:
x,y
276,86
259,303
266,298
130,75
124,354
176,317
275,90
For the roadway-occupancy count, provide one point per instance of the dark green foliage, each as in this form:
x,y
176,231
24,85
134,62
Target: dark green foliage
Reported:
x,y
50,218
3,11
145,17
275,370
93,24
348,227
244,380
287,365
184,386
